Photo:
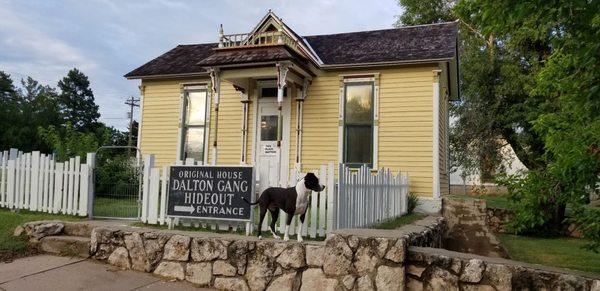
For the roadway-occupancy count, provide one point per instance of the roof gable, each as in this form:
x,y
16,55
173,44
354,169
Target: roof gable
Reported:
x,y
271,20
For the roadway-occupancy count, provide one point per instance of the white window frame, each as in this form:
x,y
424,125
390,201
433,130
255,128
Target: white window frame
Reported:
x,y
185,89
359,78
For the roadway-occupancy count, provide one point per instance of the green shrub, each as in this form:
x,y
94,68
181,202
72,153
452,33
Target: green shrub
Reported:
x,y
413,201
537,208
116,174
587,221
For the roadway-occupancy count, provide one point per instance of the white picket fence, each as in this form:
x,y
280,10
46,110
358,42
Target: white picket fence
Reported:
x,y
36,182
366,198
358,200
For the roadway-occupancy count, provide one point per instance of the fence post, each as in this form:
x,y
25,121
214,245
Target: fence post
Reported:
x,y
3,165
330,190
58,188
153,196
10,181
84,174
90,160
148,165
163,195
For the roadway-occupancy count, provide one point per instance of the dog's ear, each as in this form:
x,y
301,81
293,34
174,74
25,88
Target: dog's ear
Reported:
x,y
310,176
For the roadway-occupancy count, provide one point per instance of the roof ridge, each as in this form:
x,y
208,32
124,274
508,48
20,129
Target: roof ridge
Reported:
x,y
384,29
350,32
194,44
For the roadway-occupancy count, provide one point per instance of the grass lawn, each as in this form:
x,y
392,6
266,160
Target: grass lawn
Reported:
x,y
491,201
115,207
557,252
10,246
399,221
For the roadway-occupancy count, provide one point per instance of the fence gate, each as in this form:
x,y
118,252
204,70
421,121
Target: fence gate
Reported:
x,y
117,183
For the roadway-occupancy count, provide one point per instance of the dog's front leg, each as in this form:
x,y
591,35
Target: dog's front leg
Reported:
x,y
286,235
300,227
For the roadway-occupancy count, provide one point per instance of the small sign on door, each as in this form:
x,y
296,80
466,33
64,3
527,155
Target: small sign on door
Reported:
x,y
269,149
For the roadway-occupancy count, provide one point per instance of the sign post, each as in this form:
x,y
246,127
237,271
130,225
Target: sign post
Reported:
x,y
210,192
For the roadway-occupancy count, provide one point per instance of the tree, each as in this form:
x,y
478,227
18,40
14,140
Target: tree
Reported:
x,y
567,117
424,12
68,142
77,103
9,109
7,88
39,107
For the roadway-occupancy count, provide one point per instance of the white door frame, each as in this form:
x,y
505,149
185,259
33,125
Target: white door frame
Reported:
x,y
284,152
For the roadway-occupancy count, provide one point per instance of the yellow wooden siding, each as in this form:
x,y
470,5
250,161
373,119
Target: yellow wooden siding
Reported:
x,y
229,135
320,123
160,119
405,124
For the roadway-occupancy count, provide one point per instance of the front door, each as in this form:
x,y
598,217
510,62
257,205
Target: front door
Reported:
x,y
272,160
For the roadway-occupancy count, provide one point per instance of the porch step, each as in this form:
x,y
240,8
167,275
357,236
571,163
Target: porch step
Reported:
x,y
82,229
66,245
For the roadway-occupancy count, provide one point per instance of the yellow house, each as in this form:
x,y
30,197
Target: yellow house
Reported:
x,y
280,101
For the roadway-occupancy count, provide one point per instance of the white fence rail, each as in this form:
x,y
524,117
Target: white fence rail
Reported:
x,y
36,182
365,198
361,199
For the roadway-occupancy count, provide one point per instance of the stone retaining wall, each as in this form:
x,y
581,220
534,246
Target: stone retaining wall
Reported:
x,y
497,218
438,269
350,259
364,259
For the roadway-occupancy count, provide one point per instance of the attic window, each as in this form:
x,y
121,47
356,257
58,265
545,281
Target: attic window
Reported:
x,y
271,27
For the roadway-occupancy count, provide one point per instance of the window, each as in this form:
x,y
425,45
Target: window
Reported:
x,y
194,126
358,124
268,127
271,92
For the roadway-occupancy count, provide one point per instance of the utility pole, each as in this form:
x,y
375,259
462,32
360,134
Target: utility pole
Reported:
x,y
132,102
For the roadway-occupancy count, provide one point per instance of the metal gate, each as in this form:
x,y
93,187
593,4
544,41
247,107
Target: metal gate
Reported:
x,y
117,183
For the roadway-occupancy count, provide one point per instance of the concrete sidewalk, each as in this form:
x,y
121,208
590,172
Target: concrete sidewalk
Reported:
x,y
46,272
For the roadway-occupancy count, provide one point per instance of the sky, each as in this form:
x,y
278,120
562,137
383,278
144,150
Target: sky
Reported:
x,y
105,39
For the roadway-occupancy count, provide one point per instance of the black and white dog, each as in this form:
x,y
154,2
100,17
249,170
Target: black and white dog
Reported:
x,y
292,200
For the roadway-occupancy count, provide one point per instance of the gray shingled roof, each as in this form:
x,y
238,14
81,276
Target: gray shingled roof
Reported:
x,y
182,59
251,55
423,42
407,44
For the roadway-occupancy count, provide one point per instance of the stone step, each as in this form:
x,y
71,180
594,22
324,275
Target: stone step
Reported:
x,y
66,245
82,229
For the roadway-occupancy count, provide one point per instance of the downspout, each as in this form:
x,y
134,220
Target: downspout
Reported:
x,y
216,89
436,133
245,100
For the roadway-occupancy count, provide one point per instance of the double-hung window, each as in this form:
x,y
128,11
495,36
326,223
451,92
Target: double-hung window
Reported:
x,y
194,124
358,123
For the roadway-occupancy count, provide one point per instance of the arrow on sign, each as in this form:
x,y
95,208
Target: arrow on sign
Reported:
x,y
189,209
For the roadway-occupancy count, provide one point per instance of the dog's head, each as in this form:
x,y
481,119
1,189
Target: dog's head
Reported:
x,y
311,182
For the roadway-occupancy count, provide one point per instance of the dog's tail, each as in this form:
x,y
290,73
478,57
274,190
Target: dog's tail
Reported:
x,y
250,202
